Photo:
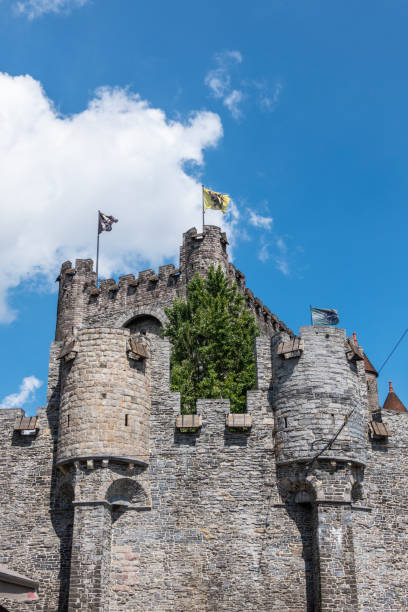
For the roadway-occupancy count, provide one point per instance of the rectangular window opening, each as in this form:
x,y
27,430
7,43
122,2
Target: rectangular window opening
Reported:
x,y
126,420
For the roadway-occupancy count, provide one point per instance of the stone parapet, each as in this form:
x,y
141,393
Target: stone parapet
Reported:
x,y
82,304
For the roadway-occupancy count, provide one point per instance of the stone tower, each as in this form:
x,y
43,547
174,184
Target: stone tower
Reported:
x,y
320,407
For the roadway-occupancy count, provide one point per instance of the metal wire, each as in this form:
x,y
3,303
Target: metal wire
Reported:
x,y
395,347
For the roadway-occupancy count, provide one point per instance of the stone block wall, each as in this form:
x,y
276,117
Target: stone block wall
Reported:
x,y
381,526
35,529
81,304
105,399
148,518
212,523
314,393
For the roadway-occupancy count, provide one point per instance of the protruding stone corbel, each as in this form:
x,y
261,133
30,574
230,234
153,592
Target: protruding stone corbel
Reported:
x,y
353,351
189,421
69,350
288,350
136,350
379,430
239,421
26,426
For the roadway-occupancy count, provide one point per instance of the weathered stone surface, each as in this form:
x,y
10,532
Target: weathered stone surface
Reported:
x,y
117,509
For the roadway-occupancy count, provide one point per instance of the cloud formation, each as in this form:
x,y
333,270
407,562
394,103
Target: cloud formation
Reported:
x,y
25,393
269,101
275,249
260,221
219,81
36,8
119,155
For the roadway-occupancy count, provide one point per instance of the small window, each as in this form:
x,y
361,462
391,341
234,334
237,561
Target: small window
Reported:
x,y
67,420
126,420
286,422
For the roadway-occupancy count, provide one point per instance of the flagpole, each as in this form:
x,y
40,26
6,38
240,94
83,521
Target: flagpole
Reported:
x,y
202,192
97,250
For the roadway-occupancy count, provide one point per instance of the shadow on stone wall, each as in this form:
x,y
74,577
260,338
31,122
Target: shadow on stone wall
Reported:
x,y
62,517
303,515
61,498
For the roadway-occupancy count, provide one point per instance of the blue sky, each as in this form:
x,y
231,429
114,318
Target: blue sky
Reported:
x,y
297,109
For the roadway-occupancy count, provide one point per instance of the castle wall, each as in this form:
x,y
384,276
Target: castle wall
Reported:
x,y
145,517
81,304
215,537
33,530
381,526
212,523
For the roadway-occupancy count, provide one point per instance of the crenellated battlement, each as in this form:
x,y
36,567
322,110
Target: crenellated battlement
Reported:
x,y
81,302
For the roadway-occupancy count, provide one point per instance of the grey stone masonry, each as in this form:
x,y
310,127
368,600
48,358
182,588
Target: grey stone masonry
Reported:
x,y
105,399
314,394
111,507
81,304
91,552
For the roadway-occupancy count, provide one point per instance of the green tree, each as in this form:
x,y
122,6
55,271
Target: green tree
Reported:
x,y
213,335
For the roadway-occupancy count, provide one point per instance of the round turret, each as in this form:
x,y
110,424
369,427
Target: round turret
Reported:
x,y
315,390
71,296
105,397
201,250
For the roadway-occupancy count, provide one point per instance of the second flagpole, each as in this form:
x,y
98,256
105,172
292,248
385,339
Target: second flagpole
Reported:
x,y
202,199
97,249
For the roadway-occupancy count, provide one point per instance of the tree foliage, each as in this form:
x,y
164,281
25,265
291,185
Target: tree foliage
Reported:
x,y
212,334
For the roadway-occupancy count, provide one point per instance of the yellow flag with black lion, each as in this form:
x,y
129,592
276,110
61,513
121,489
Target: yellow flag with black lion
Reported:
x,y
215,200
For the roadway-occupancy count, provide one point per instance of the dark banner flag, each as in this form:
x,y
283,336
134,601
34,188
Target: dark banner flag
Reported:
x,y
105,223
324,316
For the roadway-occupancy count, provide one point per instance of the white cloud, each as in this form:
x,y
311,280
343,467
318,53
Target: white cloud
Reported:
x,y
230,55
281,261
219,81
268,101
278,256
263,254
221,84
232,102
280,243
282,265
36,8
26,393
120,156
260,221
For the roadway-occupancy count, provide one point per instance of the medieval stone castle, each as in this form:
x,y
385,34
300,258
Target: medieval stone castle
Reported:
x,y
112,501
